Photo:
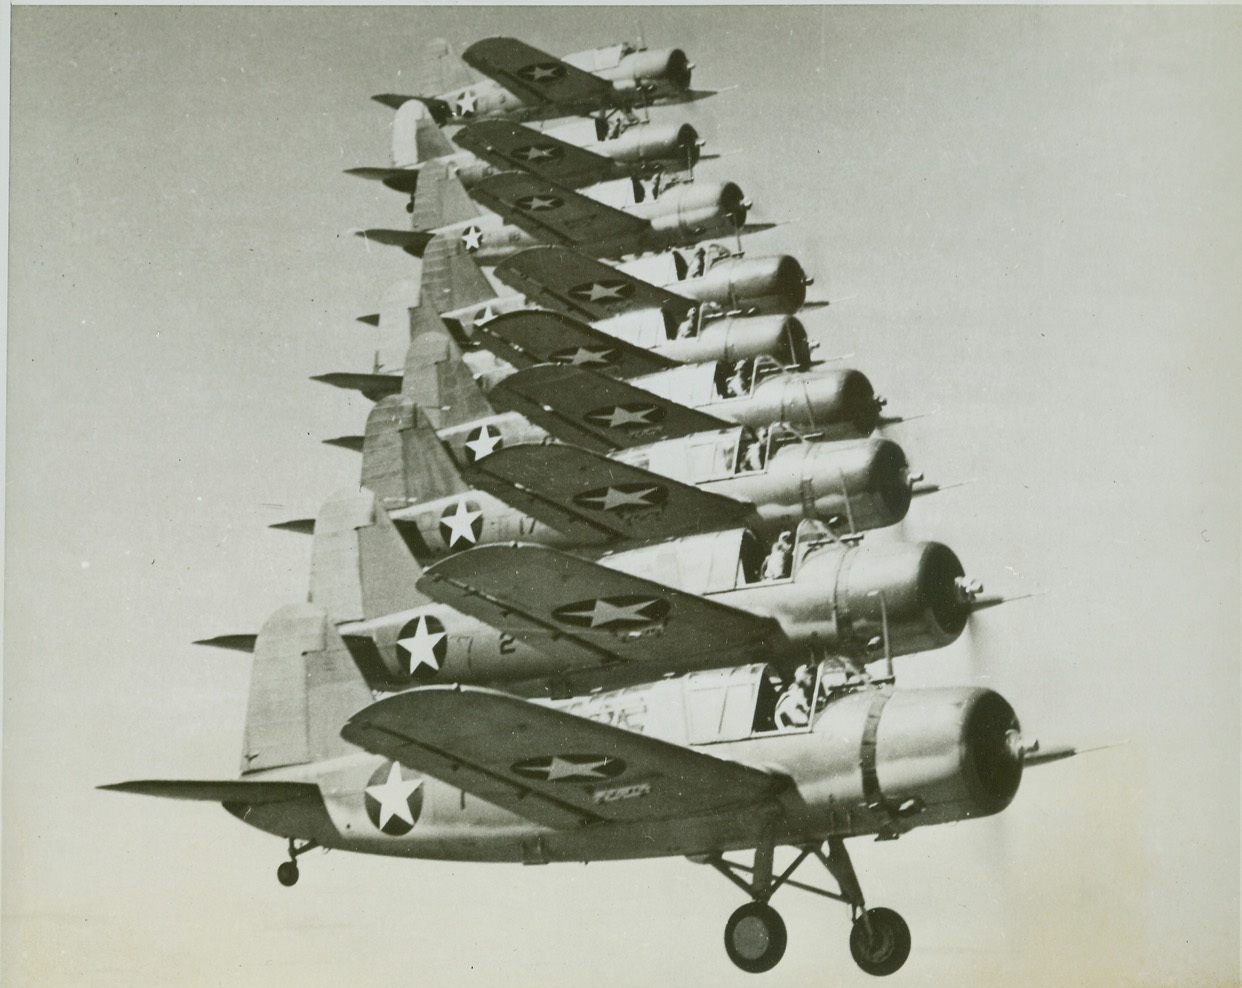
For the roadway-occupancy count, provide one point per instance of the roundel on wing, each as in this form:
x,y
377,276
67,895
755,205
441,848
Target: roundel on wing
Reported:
x,y
624,612
461,525
604,290
392,801
538,203
542,72
538,152
623,497
569,768
482,440
585,356
632,416
421,647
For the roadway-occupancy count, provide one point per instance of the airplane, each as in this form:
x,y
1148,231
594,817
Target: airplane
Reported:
x,y
823,403
524,83
697,766
493,146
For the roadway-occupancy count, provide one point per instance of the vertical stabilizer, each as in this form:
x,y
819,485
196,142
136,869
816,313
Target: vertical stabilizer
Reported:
x,y
396,325
441,69
303,686
360,566
451,278
416,139
437,378
403,460
440,199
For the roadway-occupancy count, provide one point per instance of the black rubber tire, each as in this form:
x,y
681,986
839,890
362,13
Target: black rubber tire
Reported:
x,y
887,948
755,937
287,874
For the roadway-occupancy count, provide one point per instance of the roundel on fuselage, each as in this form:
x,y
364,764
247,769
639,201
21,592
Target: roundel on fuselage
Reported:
x,y
393,802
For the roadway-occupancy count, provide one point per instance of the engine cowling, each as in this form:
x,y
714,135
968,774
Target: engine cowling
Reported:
x,y
918,587
664,69
918,757
733,338
687,212
832,404
764,284
677,145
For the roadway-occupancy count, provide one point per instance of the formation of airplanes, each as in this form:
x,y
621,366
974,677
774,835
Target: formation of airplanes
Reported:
x,y
604,590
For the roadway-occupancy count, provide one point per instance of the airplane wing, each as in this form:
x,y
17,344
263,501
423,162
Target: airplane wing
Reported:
x,y
578,406
550,766
571,282
559,215
536,76
588,495
512,146
591,616
526,338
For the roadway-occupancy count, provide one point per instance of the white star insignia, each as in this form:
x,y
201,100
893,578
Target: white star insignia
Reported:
x,y
614,499
540,72
603,612
585,355
460,524
422,646
393,795
472,238
486,442
621,416
466,104
537,153
561,769
604,293
537,203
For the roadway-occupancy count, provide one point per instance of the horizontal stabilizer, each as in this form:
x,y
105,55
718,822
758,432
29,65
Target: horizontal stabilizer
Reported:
x,y
392,100
440,110
374,386
413,242
235,791
370,319
302,526
398,179
549,765
351,443
237,643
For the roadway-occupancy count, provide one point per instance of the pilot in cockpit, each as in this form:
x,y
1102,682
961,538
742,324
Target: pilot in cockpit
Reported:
x,y
793,709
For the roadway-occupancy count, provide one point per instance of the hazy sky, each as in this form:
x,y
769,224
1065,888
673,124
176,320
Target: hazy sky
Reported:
x,y
1028,220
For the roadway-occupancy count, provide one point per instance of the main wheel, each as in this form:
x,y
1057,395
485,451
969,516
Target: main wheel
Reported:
x,y
886,947
755,937
287,873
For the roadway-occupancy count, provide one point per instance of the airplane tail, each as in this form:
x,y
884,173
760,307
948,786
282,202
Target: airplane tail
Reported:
x,y
304,685
403,460
439,199
441,69
360,566
416,138
436,375
451,279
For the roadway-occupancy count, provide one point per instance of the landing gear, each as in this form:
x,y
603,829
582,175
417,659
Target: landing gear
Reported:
x,y
755,937
880,941
287,873
755,934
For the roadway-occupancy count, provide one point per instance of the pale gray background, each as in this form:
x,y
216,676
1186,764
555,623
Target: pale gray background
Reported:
x,y
1029,218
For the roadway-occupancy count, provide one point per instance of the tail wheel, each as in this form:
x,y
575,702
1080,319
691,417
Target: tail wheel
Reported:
x,y
884,948
755,937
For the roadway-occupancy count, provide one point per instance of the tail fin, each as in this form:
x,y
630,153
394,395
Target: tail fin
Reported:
x,y
395,320
360,567
416,139
441,69
436,375
451,278
440,199
303,686
403,460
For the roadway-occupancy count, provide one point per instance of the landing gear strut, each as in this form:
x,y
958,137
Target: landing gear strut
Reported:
x,y
755,934
287,873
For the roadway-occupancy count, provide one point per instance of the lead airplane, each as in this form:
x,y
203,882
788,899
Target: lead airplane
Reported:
x,y
695,766
524,83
